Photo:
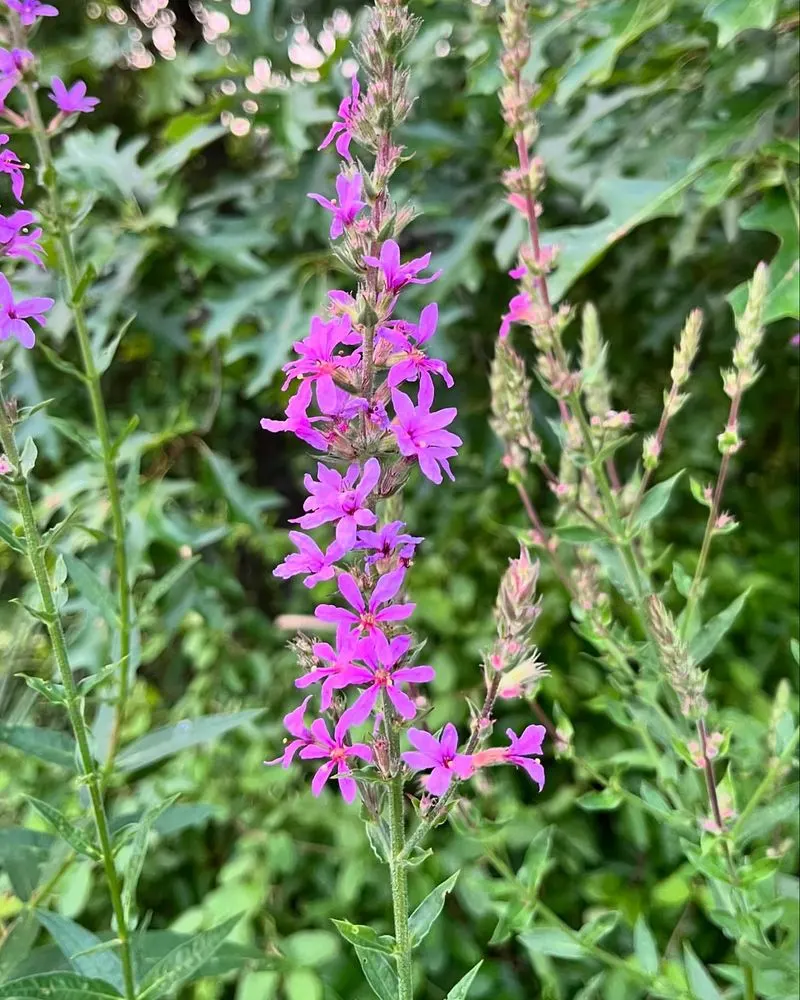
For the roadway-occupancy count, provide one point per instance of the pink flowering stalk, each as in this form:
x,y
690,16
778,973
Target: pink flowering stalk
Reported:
x,y
369,399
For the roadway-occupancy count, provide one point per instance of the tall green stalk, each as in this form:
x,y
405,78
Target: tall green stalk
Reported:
x,y
63,238
398,877
72,699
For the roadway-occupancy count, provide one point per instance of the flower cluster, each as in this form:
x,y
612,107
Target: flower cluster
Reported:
x,y
366,401
19,233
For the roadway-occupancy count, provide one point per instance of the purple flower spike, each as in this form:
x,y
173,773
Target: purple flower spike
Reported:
x,y
397,275
11,164
337,752
344,128
14,315
71,100
412,361
524,747
29,10
295,726
15,241
367,617
441,758
388,540
337,662
421,434
297,420
343,499
309,559
379,674
346,206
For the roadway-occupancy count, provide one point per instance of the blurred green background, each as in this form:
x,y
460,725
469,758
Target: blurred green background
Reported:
x,y
669,130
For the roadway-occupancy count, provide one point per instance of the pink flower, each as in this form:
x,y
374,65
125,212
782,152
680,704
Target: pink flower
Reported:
x,y
295,726
11,164
13,315
29,10
12,64
380,674
412,362
367,617
395,274
334,497
519,309
420,433
346,206
297,420
521,749
338,660
337,752
441,758
16,241
72,100
317,360
386,541
309,559
344,128
5,466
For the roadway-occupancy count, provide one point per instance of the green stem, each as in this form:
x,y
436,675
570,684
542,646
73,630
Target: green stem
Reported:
x,y
52,621
66,253
399,884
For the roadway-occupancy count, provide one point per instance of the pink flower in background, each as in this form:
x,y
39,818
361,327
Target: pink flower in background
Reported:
x,y
295,726
72,100
395,274
387,540
338,660
11,164
14,315
344,129
420,433
518,310
440,757
380,673
297,420
16,242
367,616
29,10
346,206
519,752
309,559
337,752
12,65
413,361
343,499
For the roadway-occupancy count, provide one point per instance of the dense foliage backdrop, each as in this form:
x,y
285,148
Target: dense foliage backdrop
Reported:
x,y
669,130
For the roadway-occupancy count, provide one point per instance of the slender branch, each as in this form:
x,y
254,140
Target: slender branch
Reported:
x,y
63,239
73,702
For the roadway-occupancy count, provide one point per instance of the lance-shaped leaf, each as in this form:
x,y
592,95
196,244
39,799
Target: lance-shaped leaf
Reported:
x,y
461,989
706,640
644,946
135,864
92,588
17,943
379,972
422,919
179,965
361,936
58,986
76,838
165,742
654,502
78,946
49,745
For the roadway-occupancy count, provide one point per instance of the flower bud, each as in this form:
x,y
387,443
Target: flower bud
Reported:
x,y
686,679
517,609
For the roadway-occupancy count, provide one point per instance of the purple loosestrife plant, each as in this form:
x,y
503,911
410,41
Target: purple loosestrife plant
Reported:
x,y
600,546
367,400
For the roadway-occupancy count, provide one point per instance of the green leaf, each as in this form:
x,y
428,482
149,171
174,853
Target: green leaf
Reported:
x,y
552,941
138,852
57,986
92,589
537,856
579,534
17,943
654,502
608,799
152,946
72,939
702,985
422,919
54,693
732,17
597,928
379,973
48,745
105,355
644,946
246,504
27,459
12,541
706,640
179,965
163,586
65,829
169,740
361,936
461,989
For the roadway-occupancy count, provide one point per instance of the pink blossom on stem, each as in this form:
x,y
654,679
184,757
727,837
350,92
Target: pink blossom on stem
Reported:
x,y
386,541
420,433
14,315
317,361
346,206
337,752
337,660
342,130
519,752
11,164
17,241
5,466
13,63
310,559
411,361
367,616
440,757
380,673
295,726
396,275
29,10
333,497
519,309
71,100
297,420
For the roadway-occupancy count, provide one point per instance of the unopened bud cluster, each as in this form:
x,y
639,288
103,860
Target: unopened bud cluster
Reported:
x,y
750,328
516,95
686,679
511,414
596,383
516,611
